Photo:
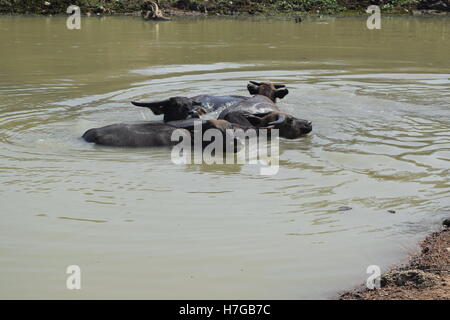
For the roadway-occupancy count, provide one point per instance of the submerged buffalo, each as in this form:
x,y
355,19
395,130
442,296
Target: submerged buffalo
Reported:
x,y
159,134
180,108
261,111
256,112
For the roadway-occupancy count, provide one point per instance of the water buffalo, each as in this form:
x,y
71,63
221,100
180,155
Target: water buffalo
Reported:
x,y
214,103
261,111
180,108
158,134
150,134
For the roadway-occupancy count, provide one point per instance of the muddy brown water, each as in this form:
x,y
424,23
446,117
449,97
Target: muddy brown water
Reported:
x,y
141,227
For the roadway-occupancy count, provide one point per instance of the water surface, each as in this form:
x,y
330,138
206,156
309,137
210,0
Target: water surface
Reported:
x,y
142,227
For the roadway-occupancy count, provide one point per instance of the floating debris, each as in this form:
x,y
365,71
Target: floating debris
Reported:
x,y
151,11
84,220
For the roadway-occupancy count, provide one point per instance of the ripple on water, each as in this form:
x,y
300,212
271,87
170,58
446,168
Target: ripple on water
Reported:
x,y
361,144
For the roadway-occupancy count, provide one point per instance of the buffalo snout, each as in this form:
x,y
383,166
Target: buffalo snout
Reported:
x,y
304,126
289,126
294,128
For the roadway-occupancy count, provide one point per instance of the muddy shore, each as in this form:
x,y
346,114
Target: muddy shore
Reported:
x,y
229,8
425,277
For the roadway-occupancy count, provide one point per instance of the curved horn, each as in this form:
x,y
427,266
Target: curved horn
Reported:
x,y
281,119
279,86
256,83
252,88
154,106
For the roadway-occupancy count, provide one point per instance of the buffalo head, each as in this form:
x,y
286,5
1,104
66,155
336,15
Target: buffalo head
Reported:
x,y
289,127
176,108
270,90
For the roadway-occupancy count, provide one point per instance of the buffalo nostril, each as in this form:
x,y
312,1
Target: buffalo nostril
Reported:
x,y
307,128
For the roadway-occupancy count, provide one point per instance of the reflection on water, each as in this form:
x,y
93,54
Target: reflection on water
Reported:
x,y
141,227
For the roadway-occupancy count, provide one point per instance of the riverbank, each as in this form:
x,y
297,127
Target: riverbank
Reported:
x,y
425,277
222,7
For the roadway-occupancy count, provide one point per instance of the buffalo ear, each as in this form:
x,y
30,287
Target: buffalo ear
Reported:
x,y
257,119
254,120
281,93
157,107
262,115
280,119
252,88
239,118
